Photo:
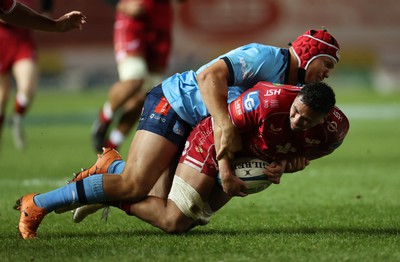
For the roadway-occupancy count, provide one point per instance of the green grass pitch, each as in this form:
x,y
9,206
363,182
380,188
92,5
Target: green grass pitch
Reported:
x,y
344,207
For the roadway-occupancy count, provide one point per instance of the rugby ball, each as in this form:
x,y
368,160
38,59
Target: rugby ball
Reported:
x,y
250,170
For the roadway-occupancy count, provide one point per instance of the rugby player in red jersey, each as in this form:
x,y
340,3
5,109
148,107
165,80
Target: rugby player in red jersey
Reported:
x,y
142,44
18,56
277,123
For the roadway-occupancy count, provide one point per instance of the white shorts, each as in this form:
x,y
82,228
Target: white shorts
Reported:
x,y
131,68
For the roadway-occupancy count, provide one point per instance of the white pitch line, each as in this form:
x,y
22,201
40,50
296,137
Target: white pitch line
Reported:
x,y
371,112
33,182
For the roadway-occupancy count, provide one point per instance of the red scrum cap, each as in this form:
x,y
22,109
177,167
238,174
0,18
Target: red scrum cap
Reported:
x,y
313,44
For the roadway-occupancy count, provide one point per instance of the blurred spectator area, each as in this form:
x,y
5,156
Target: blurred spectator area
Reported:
x,y
367,30
97,31
78,59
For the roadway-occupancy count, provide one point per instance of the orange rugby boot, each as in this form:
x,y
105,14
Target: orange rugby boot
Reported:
x,y
104,160
31,216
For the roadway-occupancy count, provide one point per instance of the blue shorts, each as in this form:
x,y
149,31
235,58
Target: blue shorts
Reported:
x,y
160,118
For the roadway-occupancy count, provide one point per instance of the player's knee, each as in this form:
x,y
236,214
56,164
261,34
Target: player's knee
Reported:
x,y
177,224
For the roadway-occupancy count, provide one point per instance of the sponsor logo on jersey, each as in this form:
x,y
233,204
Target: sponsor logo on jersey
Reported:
x,y
338,115
273,92
204,136
158,117
332,126
238,107
163,107
274,103
251,101
271,103
266,103
199,149
310,141
243,68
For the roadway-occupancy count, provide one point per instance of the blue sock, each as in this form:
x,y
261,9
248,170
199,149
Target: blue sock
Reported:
x,y
116,167
88,190
94,190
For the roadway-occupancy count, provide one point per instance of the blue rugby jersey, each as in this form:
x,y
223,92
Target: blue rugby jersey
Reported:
x,y
247,65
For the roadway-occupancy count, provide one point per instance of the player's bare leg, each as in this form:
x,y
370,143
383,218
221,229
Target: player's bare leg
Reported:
x,y
165,214
130,114
5,86
161,189
161,213
122,91
25,72
163,185
119,93
149,155
132,109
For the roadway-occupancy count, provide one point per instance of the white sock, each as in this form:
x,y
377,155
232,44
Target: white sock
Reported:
x,y
22,99
116,137
107,112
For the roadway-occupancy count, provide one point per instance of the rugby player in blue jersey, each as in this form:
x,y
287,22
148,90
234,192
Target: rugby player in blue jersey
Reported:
x,y
170,112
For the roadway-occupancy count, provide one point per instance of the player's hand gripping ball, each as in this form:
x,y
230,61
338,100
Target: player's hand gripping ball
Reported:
x,y
250,170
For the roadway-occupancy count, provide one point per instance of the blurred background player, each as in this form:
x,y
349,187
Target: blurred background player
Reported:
x,y
18,59
18,14
18,56
142,44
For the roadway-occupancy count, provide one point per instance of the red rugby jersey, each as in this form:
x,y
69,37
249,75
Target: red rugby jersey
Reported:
x,y
262,116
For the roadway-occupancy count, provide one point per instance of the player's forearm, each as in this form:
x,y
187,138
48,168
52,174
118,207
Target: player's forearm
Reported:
x,y
214,91
216,103
213,86
218,109
25,17
230,183
224,163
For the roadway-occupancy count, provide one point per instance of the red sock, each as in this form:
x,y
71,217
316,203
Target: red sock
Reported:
x,y
124,206
19,108
106,114
109,144
103,118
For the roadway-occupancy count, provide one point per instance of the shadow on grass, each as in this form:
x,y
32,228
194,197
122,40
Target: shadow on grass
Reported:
x,y
241,233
